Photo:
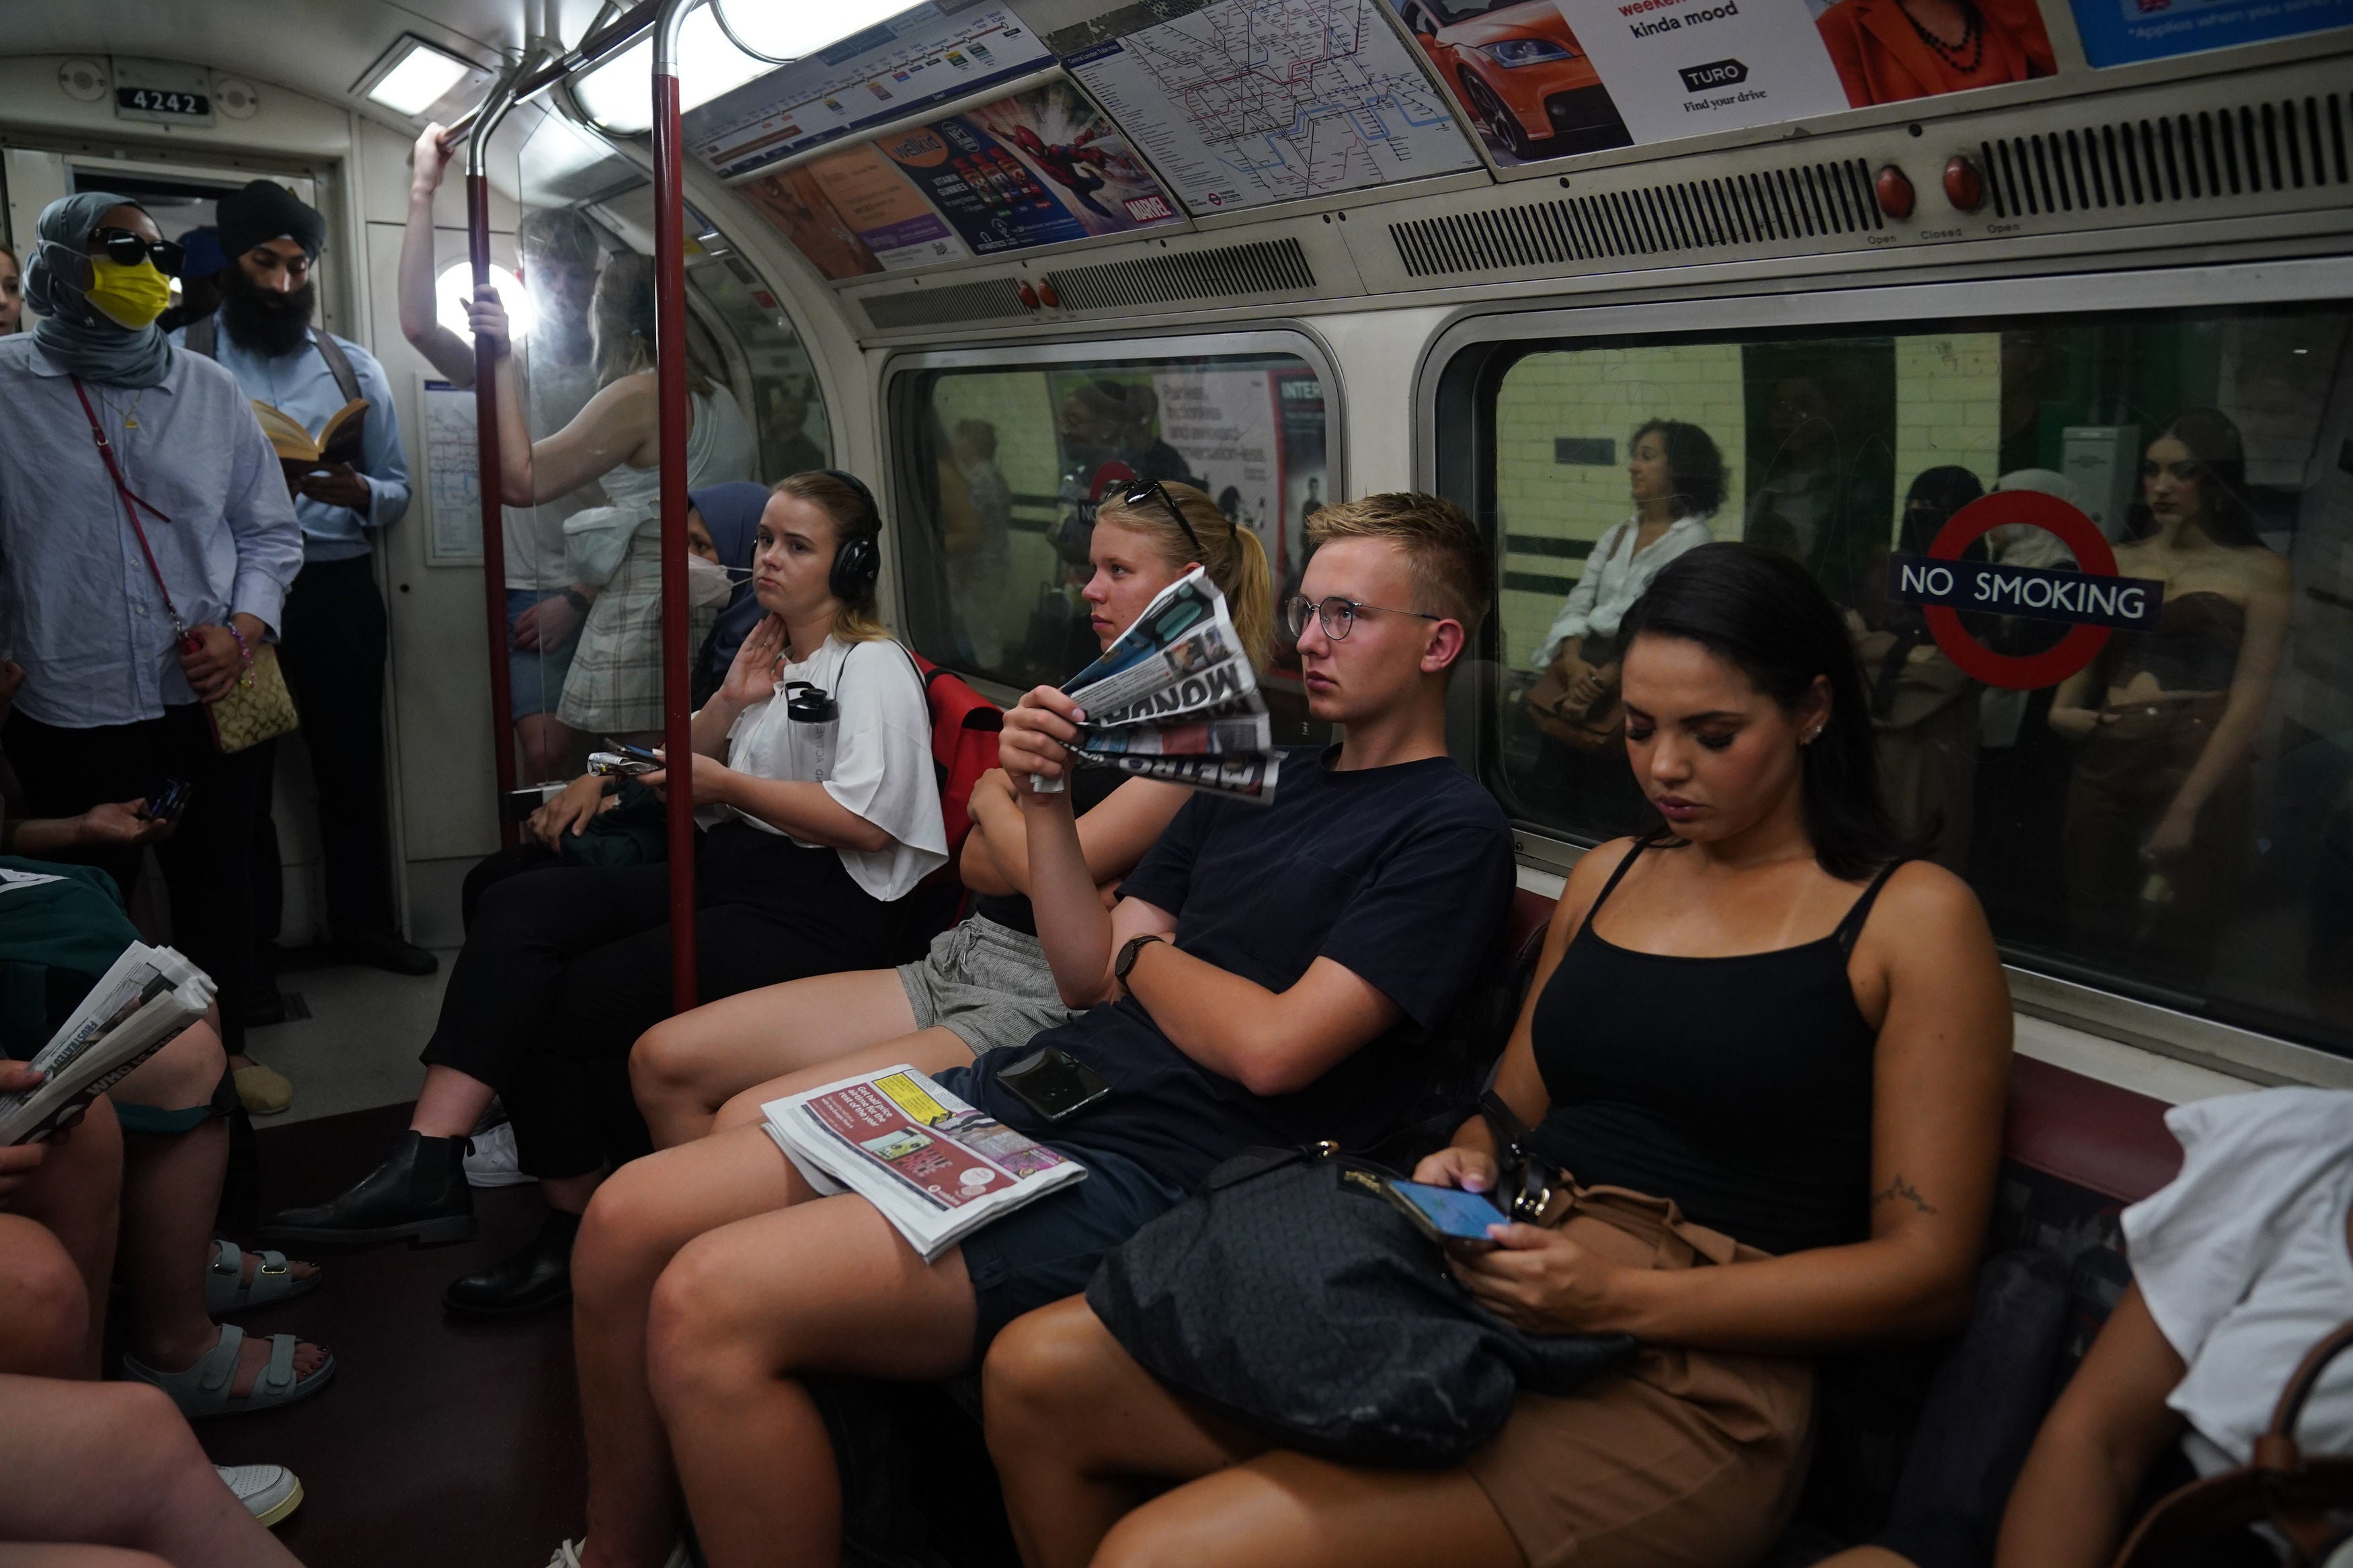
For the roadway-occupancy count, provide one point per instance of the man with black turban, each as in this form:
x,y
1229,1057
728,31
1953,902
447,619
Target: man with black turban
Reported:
x,y
334,643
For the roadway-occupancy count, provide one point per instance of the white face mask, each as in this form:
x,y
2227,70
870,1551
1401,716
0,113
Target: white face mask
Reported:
x,y
708,584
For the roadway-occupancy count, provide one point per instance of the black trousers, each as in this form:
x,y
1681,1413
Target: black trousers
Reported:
x,y
207,861
565,968
333,647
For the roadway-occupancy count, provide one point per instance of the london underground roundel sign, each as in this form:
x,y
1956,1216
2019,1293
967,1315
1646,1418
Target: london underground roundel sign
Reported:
x,y
2094,603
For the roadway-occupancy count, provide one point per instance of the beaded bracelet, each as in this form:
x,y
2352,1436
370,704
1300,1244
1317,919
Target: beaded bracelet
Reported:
x,y
246,650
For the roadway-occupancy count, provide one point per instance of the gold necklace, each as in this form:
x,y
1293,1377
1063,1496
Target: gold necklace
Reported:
x,y
130,414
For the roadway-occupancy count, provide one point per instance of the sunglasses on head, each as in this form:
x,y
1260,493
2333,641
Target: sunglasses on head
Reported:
x,y
125,248
1142,490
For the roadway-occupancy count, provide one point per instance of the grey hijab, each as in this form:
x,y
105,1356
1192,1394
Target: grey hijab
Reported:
x,y
72,330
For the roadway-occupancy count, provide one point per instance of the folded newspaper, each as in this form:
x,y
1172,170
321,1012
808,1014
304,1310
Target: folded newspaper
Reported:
x,y
145,999
1175,699
936,1168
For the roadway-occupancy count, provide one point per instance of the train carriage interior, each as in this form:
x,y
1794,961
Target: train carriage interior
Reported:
x,y
1949,301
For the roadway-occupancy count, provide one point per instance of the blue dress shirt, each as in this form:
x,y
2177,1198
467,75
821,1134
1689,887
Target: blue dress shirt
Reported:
x,y
78,608
301,385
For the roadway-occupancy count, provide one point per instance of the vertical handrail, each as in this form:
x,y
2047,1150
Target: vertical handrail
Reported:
x,y
669,386
486,444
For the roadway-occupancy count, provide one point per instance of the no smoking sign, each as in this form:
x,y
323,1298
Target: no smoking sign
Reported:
x,y
2094,603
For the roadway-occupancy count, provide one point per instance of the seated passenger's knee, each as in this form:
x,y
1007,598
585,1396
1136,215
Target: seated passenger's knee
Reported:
x,y
43,1306
1040,1366
183,1075
1143,1540
619,1236
662,1062
743,1111
702,1323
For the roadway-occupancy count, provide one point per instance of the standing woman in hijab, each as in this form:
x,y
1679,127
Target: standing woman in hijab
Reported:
x,y
730,516
114,692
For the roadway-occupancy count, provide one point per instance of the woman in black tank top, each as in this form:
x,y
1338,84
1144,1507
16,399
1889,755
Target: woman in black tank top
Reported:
x,y
1764,1056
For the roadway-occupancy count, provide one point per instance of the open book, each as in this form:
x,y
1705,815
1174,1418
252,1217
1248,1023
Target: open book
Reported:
x,y
338,440
145,999
936,1168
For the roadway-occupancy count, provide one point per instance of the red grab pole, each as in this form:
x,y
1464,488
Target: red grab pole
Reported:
x,y
486,445
669,386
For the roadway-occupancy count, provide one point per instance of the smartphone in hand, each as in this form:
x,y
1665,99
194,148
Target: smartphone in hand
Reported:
x,y
1447,1215
166,801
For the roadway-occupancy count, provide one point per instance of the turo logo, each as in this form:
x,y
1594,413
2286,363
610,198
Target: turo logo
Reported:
x,y
1715,74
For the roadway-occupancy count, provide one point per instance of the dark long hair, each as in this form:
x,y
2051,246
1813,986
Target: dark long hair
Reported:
x,y
1694,466
2221,457
1766,615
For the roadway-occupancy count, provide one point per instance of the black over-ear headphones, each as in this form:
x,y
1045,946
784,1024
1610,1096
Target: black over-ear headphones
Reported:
x,y
857,559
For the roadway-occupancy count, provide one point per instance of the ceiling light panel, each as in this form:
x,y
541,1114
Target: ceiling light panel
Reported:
x,y
417,76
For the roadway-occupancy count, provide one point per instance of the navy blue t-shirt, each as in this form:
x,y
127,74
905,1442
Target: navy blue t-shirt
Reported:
x,y
1403,875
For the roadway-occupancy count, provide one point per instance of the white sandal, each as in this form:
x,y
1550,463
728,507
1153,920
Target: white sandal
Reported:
x,y
204,1389
227,1289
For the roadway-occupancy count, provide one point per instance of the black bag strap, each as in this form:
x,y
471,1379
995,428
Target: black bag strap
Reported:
x,y
1526,1189
202,336
339,363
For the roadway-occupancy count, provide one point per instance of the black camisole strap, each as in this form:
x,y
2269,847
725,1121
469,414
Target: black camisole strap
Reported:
x,y
1851,928
1611,886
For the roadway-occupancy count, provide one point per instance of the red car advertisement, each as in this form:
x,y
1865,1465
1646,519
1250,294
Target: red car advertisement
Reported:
x,y
1520,76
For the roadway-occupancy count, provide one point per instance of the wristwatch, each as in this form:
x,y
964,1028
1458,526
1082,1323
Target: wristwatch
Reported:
x,y
1127,954
576,599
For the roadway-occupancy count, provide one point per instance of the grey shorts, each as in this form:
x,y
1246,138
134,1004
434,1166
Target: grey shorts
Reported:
x,y
988,983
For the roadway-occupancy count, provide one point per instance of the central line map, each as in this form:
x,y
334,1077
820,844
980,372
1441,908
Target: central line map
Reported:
x,y
1244,102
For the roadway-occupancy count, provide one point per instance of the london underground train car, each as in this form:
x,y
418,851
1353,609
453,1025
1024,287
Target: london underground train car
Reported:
x,y
422,423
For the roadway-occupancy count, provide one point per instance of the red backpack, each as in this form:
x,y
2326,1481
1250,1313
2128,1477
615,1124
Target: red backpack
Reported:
x,y
964,726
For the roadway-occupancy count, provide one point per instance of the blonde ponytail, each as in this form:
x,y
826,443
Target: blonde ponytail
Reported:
x,y
1233,554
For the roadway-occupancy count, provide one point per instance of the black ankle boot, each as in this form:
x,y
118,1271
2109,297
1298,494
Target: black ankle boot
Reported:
x,y
532,1280
418,1194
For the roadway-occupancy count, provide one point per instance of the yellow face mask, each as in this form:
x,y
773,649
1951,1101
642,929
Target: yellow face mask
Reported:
x,y
129,296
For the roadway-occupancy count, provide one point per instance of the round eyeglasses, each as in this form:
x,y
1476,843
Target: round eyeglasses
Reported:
x,y
1337,615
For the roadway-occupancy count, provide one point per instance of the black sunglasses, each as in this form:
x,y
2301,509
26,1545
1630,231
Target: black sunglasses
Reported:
x,y
125,248
1142,490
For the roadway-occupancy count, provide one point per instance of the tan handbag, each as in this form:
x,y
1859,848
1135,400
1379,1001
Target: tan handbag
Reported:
x,y
2295,1495
1596,729
258,706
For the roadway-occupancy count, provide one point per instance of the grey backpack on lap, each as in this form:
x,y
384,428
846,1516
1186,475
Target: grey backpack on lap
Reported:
x,y
1289,1296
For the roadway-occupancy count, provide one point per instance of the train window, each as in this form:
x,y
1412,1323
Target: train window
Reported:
x,y
2150,786
1003,462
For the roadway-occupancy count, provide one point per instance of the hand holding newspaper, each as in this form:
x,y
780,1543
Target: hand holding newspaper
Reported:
x,y
1175,699
145,1000
936,1168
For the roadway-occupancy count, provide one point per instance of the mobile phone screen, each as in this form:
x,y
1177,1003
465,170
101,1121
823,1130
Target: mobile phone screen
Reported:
x,y
1054,1084
1453,1212
635,754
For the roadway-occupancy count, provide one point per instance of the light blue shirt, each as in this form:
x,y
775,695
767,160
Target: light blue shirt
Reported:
x,y
301,385
78,608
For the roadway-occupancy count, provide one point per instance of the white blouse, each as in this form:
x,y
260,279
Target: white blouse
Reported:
x,y
1616,574
874,756
2242,1260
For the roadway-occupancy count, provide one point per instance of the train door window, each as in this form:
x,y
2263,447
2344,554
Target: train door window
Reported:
x,y
1001,464
2158,804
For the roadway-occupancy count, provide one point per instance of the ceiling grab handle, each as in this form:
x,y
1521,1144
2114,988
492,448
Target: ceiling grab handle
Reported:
x,y
670,388
485,440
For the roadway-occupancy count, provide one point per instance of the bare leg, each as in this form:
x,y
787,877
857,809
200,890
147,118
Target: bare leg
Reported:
x,y
449,1103
76,1192
53,1554
113,1464
546,747
927,1050
1082,1434
44,1305
825,1286
171,1190
635,1225
684,1069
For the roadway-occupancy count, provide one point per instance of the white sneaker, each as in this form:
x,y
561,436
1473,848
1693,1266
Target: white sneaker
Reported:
x,y
567,1555
492,1162
269,1493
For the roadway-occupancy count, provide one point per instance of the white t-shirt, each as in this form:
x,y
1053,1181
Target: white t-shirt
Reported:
x,y
2242,1260
874,757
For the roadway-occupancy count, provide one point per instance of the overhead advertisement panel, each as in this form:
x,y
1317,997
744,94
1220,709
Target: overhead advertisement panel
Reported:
x,y
936,51
1242,102
1036,169
2118,32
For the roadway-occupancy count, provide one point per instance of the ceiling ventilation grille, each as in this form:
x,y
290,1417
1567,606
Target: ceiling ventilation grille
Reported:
x,y
1808,202
2247,149
1272,267
941,306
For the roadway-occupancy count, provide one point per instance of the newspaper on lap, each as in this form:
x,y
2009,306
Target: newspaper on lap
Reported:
x,y
145,999
936,1168
1175,699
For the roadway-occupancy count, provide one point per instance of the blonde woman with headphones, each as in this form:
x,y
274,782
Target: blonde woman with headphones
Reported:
x,y
816,753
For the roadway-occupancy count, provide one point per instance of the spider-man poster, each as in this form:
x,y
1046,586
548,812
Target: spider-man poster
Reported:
x,y
1033,170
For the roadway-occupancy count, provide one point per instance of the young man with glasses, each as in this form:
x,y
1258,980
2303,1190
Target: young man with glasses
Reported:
x,y
1271,975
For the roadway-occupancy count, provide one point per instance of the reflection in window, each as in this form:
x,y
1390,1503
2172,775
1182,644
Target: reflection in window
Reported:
x,y
1005,466
2174,819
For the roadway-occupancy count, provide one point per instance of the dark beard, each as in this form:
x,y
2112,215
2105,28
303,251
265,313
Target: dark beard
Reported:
x,y
269,323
